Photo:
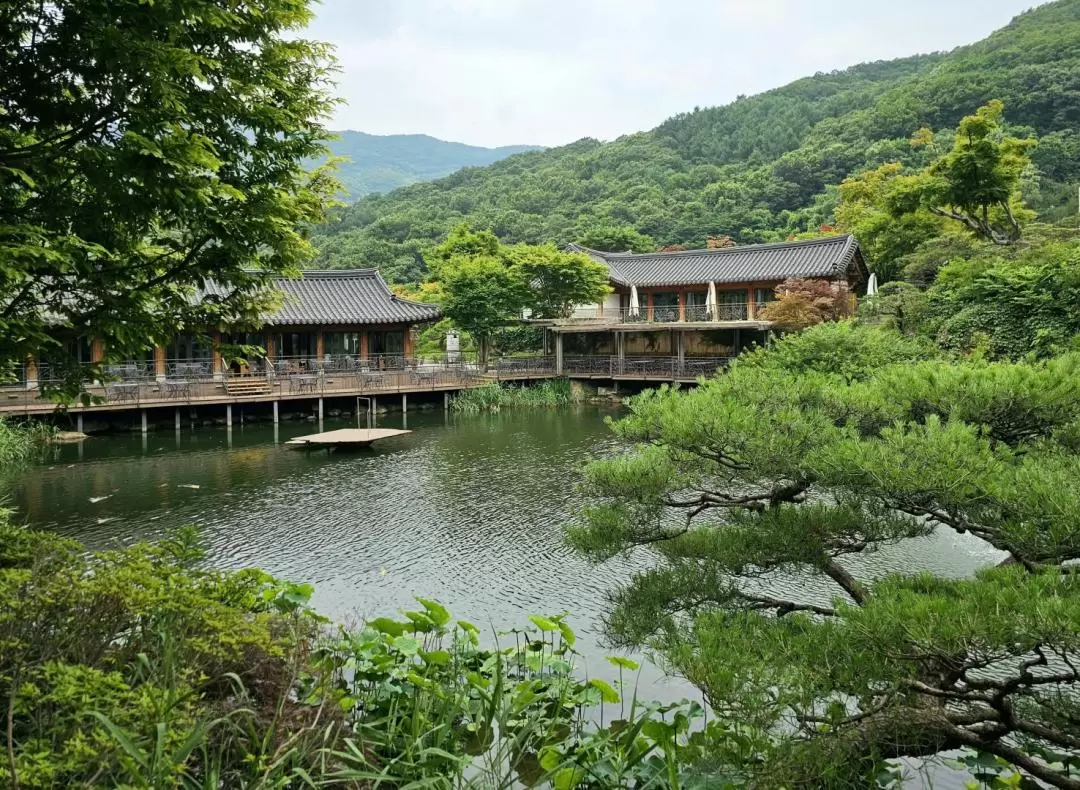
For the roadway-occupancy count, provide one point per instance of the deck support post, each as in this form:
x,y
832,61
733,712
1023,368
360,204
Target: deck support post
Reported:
x,y
178,419
404,403
144,425
446,401
228,416
620,351
79,423
681,349
275,412
558,354
320,409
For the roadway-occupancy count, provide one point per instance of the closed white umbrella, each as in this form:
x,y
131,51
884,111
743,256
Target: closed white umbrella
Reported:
x,y
635,307
710,301
871,286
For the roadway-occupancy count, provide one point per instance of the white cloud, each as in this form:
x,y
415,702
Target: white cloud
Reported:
x,y
496,72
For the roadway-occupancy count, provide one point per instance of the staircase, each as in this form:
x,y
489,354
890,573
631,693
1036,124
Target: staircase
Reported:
x,y
247,387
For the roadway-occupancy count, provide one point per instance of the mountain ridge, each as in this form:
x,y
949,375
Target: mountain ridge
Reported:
x,y
377,163
758,169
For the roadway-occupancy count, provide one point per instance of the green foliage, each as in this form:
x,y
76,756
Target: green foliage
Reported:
x,y
977,183
136,668
496,396
616,238
484,285
760,490
758,169
20,443
145,148
1007,305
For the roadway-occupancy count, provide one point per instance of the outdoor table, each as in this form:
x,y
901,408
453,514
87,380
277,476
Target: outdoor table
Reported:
x,y
126,391
175,390
370,378
304,384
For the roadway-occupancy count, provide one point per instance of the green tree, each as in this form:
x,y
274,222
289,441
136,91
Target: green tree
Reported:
x,y
761,489
885,236
557,280
616,238
977,183
146,148
480,294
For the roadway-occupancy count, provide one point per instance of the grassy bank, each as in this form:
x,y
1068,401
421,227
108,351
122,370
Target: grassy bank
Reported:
x,y
496,396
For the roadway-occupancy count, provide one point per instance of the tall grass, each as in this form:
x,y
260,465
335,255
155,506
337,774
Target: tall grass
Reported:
x,y
495,396
20,443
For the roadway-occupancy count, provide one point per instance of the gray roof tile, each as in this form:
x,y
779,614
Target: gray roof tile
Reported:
x,y
348,296
826,257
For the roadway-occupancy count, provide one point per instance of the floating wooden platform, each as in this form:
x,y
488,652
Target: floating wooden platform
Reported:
x,y
344,438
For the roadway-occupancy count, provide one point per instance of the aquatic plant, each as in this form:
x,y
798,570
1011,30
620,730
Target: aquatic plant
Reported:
x,y
495,396
21,442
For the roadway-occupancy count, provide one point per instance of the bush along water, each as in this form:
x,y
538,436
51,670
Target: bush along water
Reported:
x,y
495,396
140,668
21,442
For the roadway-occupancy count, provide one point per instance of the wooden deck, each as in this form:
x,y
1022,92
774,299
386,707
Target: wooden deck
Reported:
x,y
178,393
343,439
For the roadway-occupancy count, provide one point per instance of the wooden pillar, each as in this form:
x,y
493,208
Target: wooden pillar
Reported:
x,y
320,346
682,305
751,303
31,372
558,354
408,343
160,369
271,346
364,344
215,356
97,350
649,306
681,342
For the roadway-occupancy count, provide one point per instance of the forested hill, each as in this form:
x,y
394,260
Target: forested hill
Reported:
x,y
379,163
757,169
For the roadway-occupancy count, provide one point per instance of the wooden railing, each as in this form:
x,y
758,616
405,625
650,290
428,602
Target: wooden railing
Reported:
x,y
659,368
666,314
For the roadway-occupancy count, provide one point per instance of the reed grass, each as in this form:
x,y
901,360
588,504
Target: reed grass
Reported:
x,y
496,396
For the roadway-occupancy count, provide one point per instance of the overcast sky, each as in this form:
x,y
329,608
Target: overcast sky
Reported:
x,y
547,72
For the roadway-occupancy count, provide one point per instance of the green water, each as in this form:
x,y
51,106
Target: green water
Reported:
x,y
466,509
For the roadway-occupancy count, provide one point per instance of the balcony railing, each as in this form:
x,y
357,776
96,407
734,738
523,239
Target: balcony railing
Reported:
x,y
660,368
667,314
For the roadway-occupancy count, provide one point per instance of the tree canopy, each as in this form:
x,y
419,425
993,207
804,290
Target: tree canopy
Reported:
x,y
485,285
145,148
760,491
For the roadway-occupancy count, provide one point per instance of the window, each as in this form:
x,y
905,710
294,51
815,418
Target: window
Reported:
x,y
295,344
695,306
665,306
342,343
764,295
732,305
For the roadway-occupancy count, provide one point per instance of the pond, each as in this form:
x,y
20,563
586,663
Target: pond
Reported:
x,y
467,509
